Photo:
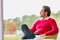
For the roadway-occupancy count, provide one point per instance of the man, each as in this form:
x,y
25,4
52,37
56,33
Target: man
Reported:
x,y
45,26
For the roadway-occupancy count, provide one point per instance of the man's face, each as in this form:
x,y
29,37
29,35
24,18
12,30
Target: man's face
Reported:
x,y
42,12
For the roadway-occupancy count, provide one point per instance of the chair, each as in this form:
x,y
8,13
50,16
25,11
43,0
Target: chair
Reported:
x,y
50,37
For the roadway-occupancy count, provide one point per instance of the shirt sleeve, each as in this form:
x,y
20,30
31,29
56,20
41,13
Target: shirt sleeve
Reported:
x,y
33,28
54,27
39,31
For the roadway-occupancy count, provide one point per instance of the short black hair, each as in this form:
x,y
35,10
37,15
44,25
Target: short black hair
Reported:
x,y
47,9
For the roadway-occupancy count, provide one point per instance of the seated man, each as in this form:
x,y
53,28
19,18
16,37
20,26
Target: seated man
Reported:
x,y
44,26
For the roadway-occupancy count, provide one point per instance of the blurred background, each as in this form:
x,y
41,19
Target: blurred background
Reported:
x,y
18,12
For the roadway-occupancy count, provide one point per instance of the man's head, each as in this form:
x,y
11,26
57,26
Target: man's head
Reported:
x,y
45,11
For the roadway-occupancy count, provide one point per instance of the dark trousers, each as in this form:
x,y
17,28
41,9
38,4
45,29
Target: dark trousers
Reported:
x,y
28,34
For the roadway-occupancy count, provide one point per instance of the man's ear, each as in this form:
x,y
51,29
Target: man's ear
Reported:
x,y
46,13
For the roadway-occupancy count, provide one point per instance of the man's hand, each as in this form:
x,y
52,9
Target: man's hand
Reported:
x,y
35,33
43,35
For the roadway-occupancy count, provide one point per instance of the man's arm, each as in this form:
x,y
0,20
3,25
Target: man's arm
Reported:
x,y
54,27
33,28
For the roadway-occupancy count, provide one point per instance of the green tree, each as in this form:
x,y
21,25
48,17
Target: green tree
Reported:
x,y
18,22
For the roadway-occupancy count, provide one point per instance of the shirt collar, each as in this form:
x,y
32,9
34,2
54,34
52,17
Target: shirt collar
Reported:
x,y
45,18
